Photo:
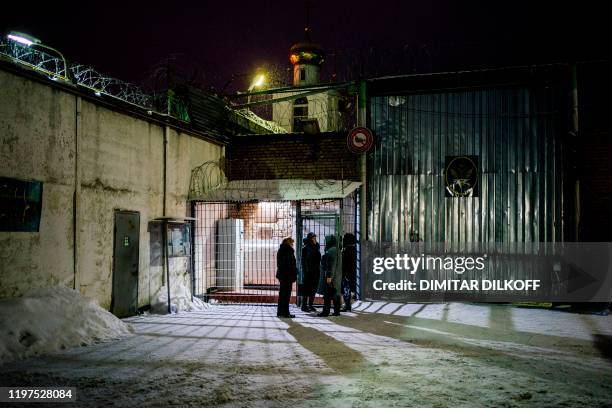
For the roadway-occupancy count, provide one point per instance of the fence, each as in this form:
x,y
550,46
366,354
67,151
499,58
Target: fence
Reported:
x,y
235,243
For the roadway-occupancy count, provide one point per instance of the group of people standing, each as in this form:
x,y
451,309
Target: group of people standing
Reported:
x,y
332,274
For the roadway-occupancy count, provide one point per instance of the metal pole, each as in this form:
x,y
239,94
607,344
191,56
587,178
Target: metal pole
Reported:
x,y
298,248
362,121
165,164
192,227
575,132
166,260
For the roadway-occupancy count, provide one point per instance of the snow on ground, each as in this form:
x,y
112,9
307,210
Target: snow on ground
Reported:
x,y
435,356
180,300
48,320
527,320
458,371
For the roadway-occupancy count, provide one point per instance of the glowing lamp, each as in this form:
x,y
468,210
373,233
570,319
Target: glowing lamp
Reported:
x,y
258,82
28,41
22,38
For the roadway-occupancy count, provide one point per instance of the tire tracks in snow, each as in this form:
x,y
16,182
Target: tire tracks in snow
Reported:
x,y
589,375
387,365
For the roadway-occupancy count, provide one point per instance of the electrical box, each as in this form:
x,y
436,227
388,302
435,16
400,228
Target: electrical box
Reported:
x,y
230,255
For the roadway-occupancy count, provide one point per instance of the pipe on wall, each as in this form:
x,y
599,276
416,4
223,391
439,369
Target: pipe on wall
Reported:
x,y
76,195
166,129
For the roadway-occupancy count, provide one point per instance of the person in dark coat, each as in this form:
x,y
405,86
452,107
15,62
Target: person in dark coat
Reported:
x,y
286,273
311,269
349,269
331,267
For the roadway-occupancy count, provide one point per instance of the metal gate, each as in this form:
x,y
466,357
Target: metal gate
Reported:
x,y
322,225
235,243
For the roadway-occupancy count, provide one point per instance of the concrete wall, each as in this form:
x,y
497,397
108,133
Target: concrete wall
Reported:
x,y
119,163
37,130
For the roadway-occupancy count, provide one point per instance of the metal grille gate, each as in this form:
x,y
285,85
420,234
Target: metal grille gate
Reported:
x,y
235,243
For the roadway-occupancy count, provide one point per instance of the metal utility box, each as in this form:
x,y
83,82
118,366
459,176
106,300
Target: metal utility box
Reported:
x,y
230,255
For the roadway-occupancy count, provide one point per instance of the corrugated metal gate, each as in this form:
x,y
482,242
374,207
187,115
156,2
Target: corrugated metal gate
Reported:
x,y
511,146
514,134
235,243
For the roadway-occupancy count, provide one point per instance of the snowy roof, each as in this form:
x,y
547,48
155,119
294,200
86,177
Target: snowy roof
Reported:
x,y
283,190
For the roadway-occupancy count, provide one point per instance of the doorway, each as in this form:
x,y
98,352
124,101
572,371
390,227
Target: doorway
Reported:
x,y
322,224
124,300
235,243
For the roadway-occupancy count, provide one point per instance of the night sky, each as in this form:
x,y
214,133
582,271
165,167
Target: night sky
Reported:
x,y
223,39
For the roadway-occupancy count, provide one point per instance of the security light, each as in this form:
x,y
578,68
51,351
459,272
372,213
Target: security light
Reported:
x,y
258,82
28,40
22,38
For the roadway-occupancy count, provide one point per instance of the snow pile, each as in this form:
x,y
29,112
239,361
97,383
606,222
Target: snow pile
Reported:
x,y
52,319
180,300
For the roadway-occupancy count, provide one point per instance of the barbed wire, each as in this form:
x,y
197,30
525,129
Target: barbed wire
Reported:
x,y
269,125
209,183
333,110
34,58
160,81
82,75
88,77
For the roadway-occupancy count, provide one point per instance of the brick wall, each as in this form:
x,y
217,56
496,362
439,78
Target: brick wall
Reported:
x,y
290,156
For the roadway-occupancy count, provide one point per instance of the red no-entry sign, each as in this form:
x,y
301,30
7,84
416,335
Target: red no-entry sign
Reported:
x,y
360,140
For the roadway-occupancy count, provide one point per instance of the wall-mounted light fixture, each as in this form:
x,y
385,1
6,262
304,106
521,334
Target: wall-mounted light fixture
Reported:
x,y
29,41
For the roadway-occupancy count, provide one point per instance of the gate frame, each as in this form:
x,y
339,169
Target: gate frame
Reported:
x,y
298,225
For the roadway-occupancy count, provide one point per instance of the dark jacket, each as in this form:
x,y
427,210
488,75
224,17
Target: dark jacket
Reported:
x,y
286,269
349,260
331,265
304,249
311,264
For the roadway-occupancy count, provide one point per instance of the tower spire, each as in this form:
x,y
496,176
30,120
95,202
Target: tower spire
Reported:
x,y
306,56
307,23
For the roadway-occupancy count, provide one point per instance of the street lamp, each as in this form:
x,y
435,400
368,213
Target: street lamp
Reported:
x,y
28,41
258,82
23,38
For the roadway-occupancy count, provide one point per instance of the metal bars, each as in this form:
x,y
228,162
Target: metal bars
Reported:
x,y
235,244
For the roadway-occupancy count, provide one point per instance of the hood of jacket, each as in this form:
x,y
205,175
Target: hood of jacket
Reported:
x,y
349,239
286,248
330,242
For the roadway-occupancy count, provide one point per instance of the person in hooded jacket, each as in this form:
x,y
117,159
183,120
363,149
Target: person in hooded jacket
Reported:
x,y
311,264
331,268
286,273
349,269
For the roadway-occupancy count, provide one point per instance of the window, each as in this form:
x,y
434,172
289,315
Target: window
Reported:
x,y
302,74
20,205
300,112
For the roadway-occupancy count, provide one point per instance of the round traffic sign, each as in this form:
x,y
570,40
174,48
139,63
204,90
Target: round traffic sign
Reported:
x,y
360,139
